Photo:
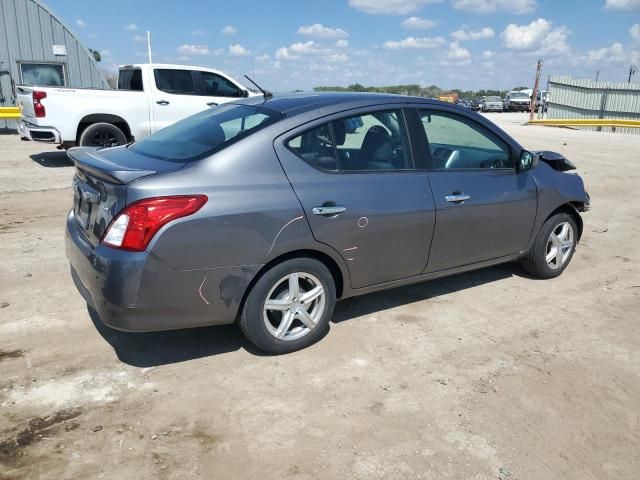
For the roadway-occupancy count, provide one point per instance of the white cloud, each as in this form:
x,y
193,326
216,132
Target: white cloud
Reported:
x,y
238,50
81,23
488,54
489,6
539,37
483,33
198,33
412,42
193,50
229,30
105,52
523,37
622,4
634,31
336,58
320,31
283,53
132,27
139,39
417,23
616,53
262,58
389,7
342,43
457,53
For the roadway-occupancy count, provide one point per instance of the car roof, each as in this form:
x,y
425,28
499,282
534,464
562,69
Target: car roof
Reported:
x,y
297,103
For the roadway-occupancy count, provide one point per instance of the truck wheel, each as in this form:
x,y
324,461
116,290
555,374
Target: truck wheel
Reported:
x,y
102,135
290,306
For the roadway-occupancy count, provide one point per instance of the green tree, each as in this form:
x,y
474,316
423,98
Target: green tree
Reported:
x,y
96,55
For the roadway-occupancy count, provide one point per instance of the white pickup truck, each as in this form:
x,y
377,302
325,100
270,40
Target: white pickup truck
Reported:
x,y
149,97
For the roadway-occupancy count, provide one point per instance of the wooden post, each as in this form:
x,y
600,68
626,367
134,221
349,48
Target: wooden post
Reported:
x,y
534,95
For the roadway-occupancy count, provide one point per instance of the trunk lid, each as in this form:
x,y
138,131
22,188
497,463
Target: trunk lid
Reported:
x,y
100,184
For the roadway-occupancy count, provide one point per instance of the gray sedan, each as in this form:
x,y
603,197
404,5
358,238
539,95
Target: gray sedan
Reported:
x,y
266,211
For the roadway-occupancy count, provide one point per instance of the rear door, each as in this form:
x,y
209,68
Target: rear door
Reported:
x,y
355,178
175,95
485,209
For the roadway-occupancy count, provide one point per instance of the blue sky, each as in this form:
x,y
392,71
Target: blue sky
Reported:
x,y
467,44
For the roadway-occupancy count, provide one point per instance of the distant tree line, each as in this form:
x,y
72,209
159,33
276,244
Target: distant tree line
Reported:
x,y
432,91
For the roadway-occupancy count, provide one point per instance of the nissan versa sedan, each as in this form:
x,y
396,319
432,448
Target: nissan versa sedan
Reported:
x,y
265,211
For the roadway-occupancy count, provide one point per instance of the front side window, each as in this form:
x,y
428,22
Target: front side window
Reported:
x,y
178,82
457,143
218,86
42,74
205,133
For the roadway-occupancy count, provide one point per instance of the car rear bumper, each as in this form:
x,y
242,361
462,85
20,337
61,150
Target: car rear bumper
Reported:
x,y
37,133
519,107
137,292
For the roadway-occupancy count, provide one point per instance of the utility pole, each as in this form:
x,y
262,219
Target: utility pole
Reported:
x,y
633,69
597,75
534,95
149,45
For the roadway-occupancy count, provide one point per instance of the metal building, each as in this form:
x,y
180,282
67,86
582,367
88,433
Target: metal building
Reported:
x,y
38,48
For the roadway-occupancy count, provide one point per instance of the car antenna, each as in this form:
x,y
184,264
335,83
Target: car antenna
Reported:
x,y
265,93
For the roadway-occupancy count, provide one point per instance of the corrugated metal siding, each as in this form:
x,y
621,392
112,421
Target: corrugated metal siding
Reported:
x,y
28,31
572,98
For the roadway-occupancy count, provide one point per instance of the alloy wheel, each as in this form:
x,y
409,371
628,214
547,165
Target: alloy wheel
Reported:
x,y
559,245
294,306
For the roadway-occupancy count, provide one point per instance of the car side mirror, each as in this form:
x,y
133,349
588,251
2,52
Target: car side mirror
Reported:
x,y
527,161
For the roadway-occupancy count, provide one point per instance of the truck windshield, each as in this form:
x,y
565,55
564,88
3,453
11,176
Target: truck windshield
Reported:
x,y
205,133
519,95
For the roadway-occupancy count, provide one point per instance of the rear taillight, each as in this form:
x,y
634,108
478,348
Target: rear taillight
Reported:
x,y
38,107
134,227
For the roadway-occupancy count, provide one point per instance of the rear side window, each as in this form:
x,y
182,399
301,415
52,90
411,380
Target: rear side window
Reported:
x,y
316,148
205,133
369,142
130,79
174,81
218,86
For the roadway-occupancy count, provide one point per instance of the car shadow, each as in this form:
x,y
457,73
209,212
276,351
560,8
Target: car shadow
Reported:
x,y
175,346
374,302
52,159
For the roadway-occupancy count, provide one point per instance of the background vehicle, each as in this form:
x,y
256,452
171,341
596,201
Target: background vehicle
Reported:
x,y
517,102
149,97
475,104
492,104
268,210
541,100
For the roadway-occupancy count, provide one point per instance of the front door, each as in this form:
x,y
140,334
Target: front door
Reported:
x,y
485,209
355,179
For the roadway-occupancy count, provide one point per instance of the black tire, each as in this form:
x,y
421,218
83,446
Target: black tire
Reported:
x,y
102,135
535,261
252,319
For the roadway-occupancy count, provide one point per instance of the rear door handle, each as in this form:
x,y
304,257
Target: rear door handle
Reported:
x,y
162,102
328,211
457,198
212,104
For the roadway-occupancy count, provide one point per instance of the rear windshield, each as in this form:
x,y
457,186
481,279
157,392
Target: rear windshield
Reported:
x,y
204,133
493,99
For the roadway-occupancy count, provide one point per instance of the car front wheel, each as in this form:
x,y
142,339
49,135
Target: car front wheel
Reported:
x,y
553,248
290,306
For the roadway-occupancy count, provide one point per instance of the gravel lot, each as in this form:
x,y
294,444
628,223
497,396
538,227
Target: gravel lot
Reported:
x,y
486,375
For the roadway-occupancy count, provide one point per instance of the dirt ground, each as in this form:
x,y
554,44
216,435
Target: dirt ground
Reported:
x,y
485,375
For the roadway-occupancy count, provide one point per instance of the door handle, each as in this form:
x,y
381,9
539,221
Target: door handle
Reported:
x,y
328,211
162,102
212,104
457,198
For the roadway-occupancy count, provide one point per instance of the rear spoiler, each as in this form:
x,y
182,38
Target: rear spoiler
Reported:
x,y
89,160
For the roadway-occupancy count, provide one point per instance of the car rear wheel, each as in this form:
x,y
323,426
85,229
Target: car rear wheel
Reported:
x,y
553,248
290,306
102,135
